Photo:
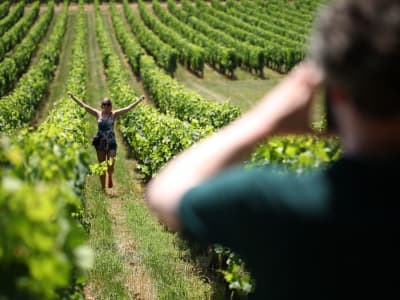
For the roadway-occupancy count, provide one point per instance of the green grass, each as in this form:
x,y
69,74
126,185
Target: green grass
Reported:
x,y
169,264
106,280
245,91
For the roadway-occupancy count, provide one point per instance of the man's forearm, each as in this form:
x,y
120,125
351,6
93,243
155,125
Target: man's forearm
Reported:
x,y
227,147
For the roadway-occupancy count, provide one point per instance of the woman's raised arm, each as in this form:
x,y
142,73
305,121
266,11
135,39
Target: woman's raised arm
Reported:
x,y
128,108
88,108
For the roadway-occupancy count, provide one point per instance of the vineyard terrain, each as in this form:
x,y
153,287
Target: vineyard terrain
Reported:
x,y
200,66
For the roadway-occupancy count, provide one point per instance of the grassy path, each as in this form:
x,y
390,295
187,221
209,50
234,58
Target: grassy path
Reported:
x,y
118,272
57,86
126,191
106,280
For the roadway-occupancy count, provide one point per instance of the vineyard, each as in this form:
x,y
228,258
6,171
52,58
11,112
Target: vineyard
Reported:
x,y
200,64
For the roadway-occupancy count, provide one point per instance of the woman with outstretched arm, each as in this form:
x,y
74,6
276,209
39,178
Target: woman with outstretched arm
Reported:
x,y
104,141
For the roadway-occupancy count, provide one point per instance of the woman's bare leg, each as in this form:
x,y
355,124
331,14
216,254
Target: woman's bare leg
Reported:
x,y
101,156
111,155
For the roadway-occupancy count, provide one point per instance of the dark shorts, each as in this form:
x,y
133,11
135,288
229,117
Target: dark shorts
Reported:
x,y
106,145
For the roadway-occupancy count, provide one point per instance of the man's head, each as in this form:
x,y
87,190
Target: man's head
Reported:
x,y
357,45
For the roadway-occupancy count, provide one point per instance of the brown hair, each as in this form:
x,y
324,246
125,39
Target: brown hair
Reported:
x,y
106,100
357,45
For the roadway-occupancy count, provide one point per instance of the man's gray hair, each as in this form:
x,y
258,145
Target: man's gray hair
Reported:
x,y
356,43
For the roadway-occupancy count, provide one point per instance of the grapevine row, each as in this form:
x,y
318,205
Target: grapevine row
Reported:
x,y
172,98
268,16
300,9
133,51
155,138
294,25
66,124
297,153
4,7
294,12
277,30
218,56
279,8
191,55
277,33
277,11
279,53
18,31
12,67
12,17
249,56
22,102
309,5
165,55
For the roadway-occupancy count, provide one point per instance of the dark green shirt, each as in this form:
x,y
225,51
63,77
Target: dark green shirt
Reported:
x,y
328,235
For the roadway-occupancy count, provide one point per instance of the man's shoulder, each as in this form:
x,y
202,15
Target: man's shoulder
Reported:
x,y
262,189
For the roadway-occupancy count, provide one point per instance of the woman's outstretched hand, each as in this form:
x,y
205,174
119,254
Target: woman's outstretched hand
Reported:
x,y
70,94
